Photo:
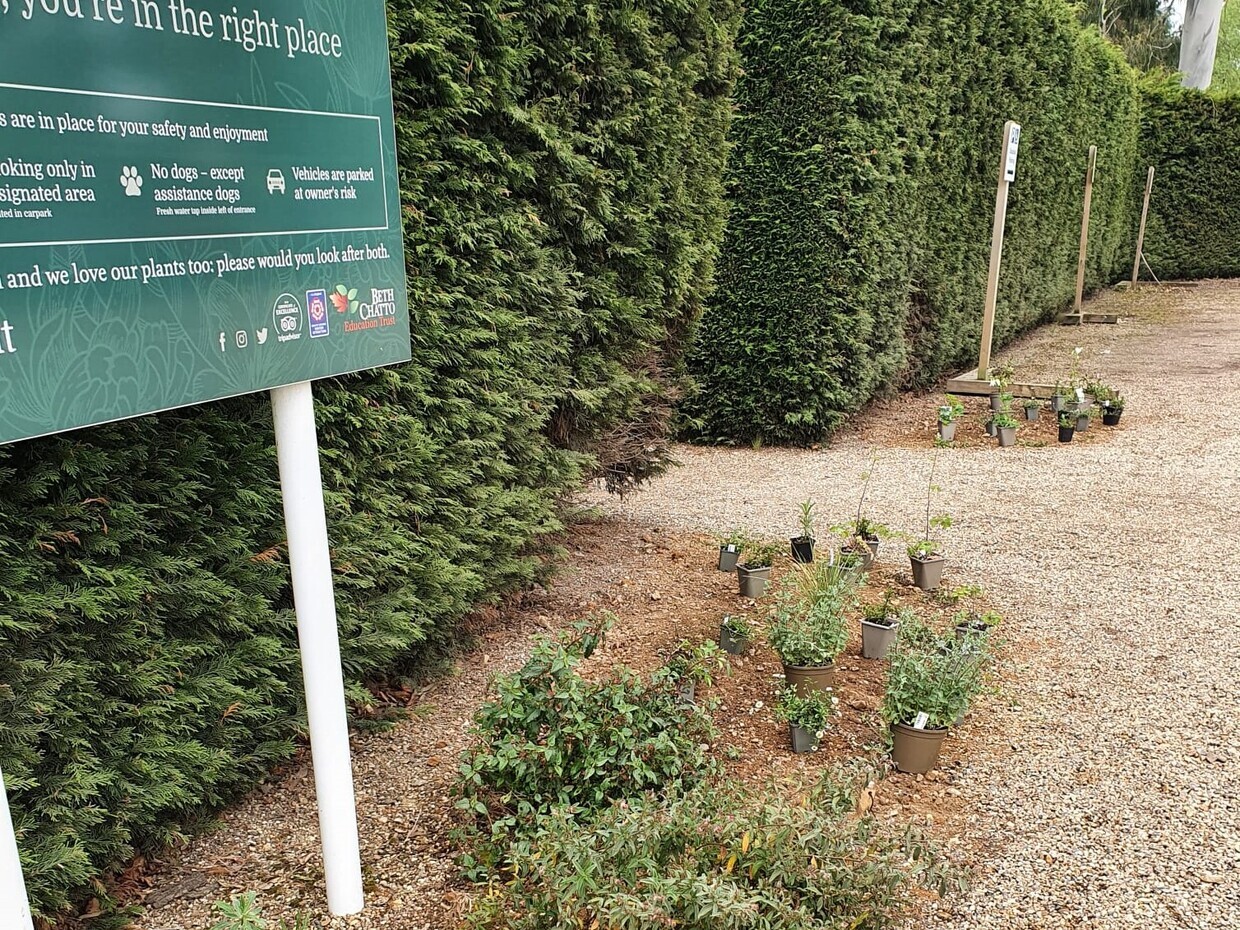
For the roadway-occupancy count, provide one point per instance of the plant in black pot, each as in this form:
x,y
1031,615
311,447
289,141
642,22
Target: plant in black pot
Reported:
x,y
929,686
862,536
950,413
1114,410
1031,407
754,573
735,634
1067,426
880,623
808,629
803,545
970,623
730,549
807,716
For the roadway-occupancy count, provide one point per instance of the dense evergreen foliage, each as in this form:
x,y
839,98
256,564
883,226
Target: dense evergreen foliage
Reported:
x,y
862,186
561,172
1193,140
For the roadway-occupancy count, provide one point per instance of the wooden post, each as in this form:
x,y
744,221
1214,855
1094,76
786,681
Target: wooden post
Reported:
x,y
1145,212
1080,258
1007,174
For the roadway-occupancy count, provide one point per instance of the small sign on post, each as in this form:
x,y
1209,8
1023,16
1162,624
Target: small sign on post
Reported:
x,y
1013,152
1007,174
201,206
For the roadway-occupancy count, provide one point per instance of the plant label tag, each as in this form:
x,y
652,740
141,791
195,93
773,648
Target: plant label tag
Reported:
x,y
1013,150
1080,395
731,547
922,719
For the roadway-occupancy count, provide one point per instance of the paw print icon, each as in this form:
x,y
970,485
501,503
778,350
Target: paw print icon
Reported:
x,y
131,181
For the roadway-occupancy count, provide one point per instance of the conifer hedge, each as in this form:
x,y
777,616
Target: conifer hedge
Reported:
x,y
862,192
1193,140
561,168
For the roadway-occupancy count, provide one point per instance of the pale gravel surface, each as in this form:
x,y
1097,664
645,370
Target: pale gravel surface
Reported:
x,y
1116,566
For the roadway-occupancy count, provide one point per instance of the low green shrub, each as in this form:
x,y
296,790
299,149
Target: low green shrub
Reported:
x,y
932,674
243,913
716,857
553,739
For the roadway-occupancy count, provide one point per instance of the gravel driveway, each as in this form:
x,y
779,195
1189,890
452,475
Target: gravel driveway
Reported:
x,y
1116,564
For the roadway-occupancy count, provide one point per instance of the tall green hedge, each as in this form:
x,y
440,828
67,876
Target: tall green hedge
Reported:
x,y
1193,141
862,188
561,169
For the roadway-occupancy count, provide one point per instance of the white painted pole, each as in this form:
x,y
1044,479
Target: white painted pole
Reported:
x,y
297,449
14,904
1199,42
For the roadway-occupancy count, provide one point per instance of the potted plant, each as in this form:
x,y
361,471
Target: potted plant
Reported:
x,y
924,556
754,573
1114,410
1059,399
949,413
928,689
803,545
880,625
975,624
807,716
735,632
730,549
1084,414
690,666
1032,408
1005,424
1067,426
1001,377
809,636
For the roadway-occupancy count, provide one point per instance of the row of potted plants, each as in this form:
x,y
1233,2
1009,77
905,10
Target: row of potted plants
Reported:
x,y
1070,403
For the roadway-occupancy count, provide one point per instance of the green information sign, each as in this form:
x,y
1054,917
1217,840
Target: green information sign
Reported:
x,y
197,200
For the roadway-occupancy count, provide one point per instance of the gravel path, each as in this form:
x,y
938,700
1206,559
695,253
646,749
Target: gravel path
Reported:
x,y
1116,565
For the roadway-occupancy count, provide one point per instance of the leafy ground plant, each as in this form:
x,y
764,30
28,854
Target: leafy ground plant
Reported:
x,y
712,858
243,913
552,738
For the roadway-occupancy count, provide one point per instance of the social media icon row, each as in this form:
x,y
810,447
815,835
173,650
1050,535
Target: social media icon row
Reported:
x,y
242,339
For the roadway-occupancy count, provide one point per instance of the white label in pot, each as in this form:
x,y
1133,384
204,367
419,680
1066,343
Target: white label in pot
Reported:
x,y
731,548
922,719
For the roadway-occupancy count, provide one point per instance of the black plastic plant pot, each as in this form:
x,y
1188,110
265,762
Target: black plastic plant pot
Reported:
x,y
1065,433
1111,417
803,549
728,556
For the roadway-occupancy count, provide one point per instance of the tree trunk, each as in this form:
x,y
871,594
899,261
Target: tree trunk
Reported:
x,y
1200,41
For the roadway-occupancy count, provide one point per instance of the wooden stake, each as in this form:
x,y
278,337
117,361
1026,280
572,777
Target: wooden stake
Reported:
x,y
1007,174
1145,212
1080,258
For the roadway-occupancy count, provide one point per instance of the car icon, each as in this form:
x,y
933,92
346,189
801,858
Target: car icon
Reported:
x,y
275,181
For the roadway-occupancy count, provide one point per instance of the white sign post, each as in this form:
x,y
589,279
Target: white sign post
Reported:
x,y
301,481
14,905
1007,174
